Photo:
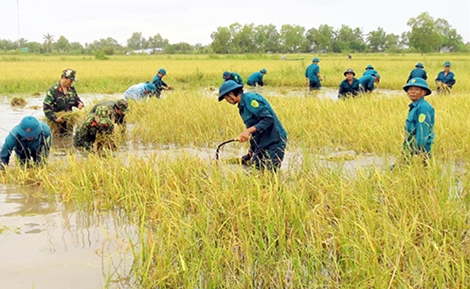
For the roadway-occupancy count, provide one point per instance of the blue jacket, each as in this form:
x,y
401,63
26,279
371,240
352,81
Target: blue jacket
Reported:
x,y
417,72
311,72
256,111
137,91
235,77
370,72
255,77
37,148
347,90
447,79
367,83
158,82
419,127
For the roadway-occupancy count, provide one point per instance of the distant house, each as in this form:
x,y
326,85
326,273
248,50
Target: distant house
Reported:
x,y
446,49
147,51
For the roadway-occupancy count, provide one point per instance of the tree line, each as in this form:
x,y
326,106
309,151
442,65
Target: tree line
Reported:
x,y
425,35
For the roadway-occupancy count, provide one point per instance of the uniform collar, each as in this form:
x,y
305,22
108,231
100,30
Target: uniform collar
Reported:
x,y
241,104
415,103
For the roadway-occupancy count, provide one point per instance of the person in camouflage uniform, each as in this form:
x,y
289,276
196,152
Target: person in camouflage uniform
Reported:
x,y
62,96
93,124
118,109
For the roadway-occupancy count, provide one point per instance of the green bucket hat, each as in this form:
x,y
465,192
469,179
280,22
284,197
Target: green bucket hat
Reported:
x,y
226,87
369,67
103,114
150,87
123,105
349,70
263,71
417,82
419,64
226,75
162,71
316,59
29,127
447,63
70,74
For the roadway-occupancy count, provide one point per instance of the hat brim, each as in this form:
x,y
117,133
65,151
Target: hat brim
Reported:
x,y
353,73
123,110
406,87
224,92
30,134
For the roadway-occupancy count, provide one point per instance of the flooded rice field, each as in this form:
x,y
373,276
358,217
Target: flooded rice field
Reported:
x,y
47,244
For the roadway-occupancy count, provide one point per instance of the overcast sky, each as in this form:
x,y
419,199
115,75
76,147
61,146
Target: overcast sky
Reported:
x,y
194,21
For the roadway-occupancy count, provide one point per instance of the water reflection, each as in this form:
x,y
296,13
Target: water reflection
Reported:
x,y
46,244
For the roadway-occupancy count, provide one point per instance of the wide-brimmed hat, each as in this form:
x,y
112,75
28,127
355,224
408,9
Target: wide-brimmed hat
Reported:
x,y
369,67
447,63
226,75
162,71
349,70
150,87
29,127
123,105
419,64
70,74
263,71
103,114
316,59
226,87
417,82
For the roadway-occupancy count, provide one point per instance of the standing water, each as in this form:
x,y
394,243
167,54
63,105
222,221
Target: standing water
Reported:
x,y
47,244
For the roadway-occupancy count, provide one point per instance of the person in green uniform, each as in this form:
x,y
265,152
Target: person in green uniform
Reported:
x,y
313,76
419,125
265,132
350,86
62,96
367,82
159,83
418,72
118,109
370,70
232,76
31,141
256,78
91,126
445,79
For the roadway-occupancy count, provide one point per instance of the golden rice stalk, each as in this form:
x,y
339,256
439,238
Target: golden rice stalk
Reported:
x,y
106,142
70,117
18,102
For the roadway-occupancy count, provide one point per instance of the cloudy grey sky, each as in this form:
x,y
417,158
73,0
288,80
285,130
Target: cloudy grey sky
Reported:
x,y
194,21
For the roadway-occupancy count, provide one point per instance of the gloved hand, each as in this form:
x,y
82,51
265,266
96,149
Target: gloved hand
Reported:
x,y
246,160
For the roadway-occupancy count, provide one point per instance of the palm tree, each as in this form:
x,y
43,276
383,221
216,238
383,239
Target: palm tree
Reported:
x,y
48,40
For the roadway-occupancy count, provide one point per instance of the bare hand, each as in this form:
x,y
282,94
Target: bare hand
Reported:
x,y
80,105
59,120
244,136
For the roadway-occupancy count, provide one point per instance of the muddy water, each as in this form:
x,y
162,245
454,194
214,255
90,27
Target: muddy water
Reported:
x,y
323,93
45,244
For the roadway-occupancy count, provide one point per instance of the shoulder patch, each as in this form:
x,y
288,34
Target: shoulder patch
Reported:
x,y
422,117
254,103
